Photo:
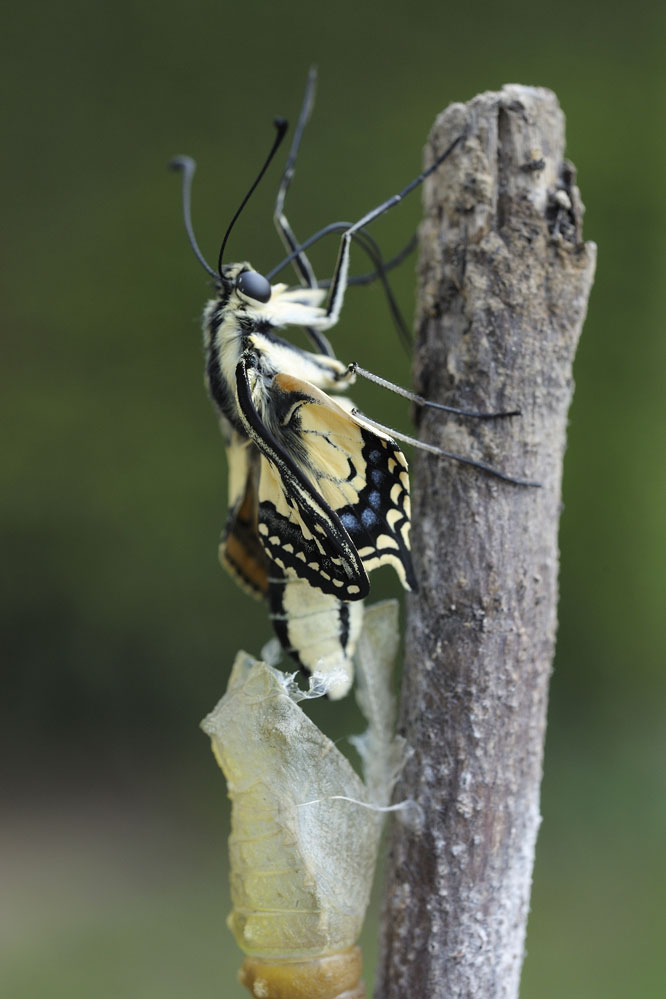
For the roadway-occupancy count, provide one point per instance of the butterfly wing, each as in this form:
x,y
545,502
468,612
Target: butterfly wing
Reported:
x,y
378,520
241,551
296,527
333,491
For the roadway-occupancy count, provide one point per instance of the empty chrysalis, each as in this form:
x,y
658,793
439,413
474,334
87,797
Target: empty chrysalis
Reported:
x,y
304,827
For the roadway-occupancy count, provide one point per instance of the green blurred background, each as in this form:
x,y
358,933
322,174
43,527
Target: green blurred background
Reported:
x,y
120,626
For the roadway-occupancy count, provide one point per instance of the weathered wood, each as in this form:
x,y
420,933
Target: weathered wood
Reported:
x,y
504,283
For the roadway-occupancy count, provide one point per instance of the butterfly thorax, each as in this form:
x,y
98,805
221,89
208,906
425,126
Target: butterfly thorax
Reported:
x,y
236,328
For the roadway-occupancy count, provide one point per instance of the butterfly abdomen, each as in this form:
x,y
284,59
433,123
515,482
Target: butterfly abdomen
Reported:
x,y
317,630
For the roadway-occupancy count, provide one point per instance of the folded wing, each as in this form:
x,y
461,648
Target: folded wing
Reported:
x,y
333,491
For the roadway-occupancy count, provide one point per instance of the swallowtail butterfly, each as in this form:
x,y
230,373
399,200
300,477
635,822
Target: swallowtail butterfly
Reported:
x,y
318,492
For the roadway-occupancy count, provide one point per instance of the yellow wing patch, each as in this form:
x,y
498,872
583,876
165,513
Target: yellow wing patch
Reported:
x,y
358,474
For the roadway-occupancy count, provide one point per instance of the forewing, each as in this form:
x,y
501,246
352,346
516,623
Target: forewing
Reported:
x,y
359,474
297,527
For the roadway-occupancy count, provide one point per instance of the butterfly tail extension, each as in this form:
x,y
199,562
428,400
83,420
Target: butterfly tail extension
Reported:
x,y
317,630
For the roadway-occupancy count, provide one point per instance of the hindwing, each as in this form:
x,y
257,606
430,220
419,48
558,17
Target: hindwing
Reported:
x,y
333,490
241,551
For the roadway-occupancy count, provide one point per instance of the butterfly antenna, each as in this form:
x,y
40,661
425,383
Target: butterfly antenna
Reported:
x,y
281,126
350,229
186,166
372,249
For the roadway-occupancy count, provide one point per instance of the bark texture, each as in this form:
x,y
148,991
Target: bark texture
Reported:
x,y
504,284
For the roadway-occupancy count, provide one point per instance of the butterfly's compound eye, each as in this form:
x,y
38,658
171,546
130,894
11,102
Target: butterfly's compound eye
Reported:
x,y
254,285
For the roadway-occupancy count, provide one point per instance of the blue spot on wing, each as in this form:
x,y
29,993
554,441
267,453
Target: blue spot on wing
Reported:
x,y
368,518
375,500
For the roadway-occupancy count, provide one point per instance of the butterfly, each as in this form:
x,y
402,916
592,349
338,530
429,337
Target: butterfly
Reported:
x,y
318,492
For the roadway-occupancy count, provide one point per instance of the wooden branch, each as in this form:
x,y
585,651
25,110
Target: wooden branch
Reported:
x,y
504,283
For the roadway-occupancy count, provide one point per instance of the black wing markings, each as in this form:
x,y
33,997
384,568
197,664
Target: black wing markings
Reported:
x,y
299,512
334,492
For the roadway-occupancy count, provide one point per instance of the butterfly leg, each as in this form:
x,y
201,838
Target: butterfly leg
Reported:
x,y
432,449
418,400
302,265
340,277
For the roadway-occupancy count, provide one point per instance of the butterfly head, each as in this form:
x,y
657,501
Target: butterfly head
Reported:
x,y
250,286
